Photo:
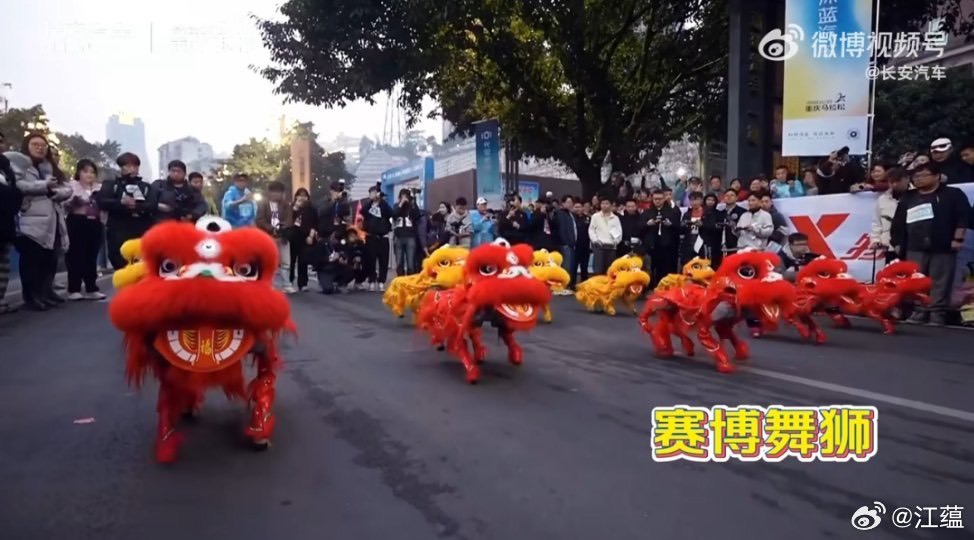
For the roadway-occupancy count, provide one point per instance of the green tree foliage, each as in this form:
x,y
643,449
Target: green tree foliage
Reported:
x,y
70,148
575,81
911,114
18,122
265,161
75,147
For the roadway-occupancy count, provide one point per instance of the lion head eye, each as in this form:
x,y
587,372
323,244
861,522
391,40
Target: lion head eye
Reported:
x,y
747,272
901,275
250,271
824,274
488,270
444,263
168,267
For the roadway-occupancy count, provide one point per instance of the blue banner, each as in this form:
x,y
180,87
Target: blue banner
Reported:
x,y
489,183
529,191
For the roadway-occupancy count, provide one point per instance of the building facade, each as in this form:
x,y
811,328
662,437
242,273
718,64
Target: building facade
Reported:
x,y
129,132
197,156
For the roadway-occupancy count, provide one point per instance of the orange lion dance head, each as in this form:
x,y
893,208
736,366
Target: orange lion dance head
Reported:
x,y
203,276
497,278
749,277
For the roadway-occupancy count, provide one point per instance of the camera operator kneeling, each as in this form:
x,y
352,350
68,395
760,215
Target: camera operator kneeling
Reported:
x,y
340,261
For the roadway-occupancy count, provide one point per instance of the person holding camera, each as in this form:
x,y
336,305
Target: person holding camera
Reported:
x,y
405,220
335,211
176,199
512,224
838,173
276,217
131,206
377,222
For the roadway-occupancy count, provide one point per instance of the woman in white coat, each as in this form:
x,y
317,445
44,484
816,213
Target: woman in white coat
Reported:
x,y
41,232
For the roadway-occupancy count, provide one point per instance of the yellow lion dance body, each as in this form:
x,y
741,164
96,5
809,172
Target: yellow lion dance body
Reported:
x,y
442,269
131,251
547,268
696,271
625,281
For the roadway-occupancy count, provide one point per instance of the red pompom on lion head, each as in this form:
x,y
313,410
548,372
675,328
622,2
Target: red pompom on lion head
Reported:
x,y
497,277
206,275
750,280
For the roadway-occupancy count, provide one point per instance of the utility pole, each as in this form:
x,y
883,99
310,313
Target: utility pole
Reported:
x,y
3,96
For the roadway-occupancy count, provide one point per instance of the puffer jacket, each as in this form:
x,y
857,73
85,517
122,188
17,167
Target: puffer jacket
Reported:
x,y
41,212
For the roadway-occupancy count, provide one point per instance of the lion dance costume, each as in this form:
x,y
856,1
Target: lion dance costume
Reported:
x,y
547,269
134,270
443,269
697,271
900,282
498,289
205,302
626,280
744,281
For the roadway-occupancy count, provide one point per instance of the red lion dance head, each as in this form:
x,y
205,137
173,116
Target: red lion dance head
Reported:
x,y
497,278
905,278
206,301
829,280
749,280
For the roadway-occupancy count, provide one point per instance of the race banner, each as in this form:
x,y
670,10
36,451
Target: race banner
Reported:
x,y
826,50
839,225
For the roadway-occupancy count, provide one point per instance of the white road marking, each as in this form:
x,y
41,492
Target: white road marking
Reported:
x,y
865,394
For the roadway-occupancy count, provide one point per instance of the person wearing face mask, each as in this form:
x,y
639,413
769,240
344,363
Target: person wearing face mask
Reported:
x,y
879,235
131,205
43,233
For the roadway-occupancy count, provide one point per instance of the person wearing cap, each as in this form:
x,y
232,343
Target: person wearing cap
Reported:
x,y
482,224
238,203
928,228
953,168
377,222
130,203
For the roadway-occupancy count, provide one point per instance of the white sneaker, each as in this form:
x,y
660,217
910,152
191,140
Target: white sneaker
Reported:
x,y
76,296
364,286
372,287
382,287
95,296
290,289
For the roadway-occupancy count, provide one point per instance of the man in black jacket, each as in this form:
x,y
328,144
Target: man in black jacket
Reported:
x,y
131,206
176,199
928,228
512,225
583,246
10,199
405,233
566,233
732,214
334,212
661,236
377,222
541,232
632,227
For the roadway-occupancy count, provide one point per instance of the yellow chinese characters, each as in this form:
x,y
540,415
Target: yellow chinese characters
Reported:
x,y
775,433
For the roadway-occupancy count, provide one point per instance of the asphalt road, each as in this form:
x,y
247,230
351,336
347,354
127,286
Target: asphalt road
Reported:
x,y
379,437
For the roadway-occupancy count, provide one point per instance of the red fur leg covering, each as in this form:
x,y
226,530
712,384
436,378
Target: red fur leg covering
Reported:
x,y
661,334
515,354
802,324
714,347
815,330
458,346
884,319
680,331
262,420
840,320
479,350
168,407
742,351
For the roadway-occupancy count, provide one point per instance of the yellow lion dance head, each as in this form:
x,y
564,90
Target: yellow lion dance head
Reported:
x,y
134,271
698,270
444,267
626,274
547,268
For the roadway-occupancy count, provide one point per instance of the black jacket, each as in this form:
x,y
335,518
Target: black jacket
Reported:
x,y
377,217
565,227
507,230
10,199
541,229
405,220
134,221
957,171
731,217
951,210
333,216
661,235
632,227
305,220
183,200
581,225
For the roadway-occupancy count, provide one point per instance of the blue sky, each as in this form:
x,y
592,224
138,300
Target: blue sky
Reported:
x,y
87,60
